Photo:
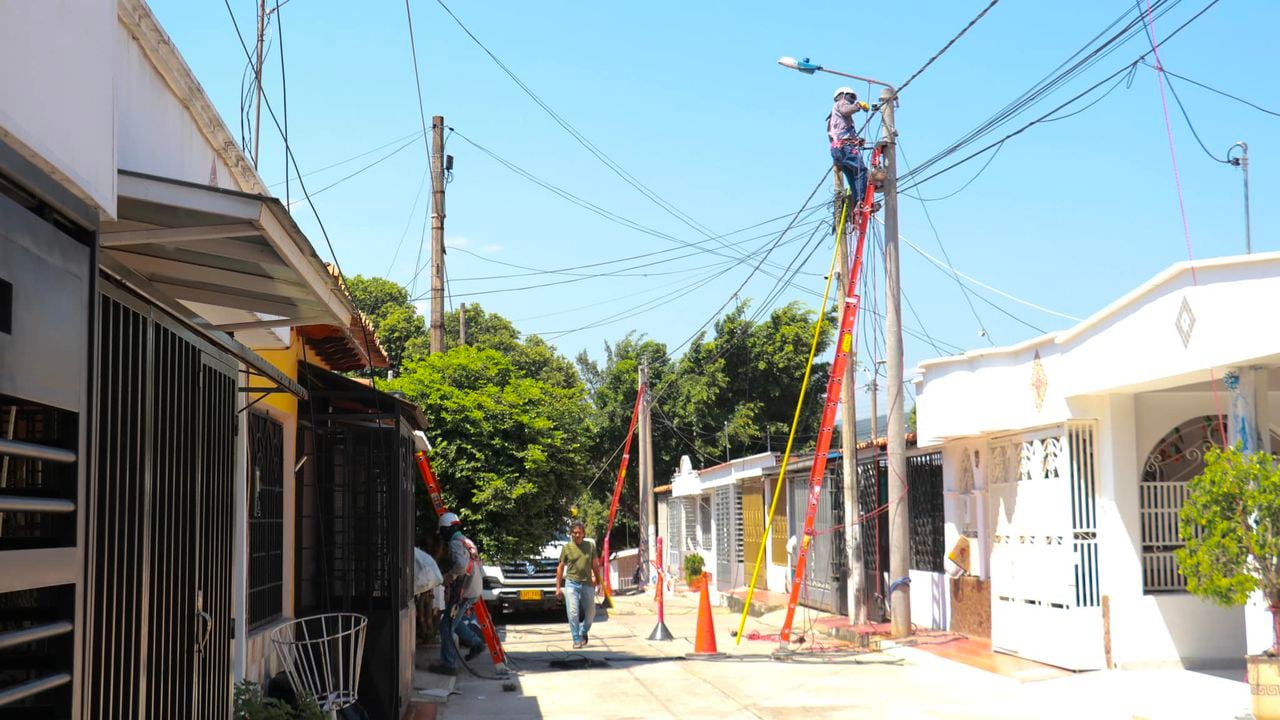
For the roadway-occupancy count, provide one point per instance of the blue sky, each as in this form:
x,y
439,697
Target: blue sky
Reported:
x,y
688,99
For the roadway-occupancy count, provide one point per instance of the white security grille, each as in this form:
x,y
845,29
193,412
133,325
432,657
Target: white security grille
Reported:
x,y
1178,457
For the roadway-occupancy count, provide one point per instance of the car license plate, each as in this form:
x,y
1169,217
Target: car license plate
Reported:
x,y
530,594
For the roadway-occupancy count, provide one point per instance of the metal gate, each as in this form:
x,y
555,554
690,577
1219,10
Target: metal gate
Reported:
x,y
726,542
752,498
824,587
674,543
161,520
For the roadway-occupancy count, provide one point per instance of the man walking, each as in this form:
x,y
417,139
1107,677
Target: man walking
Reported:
x,y
463,583
579,575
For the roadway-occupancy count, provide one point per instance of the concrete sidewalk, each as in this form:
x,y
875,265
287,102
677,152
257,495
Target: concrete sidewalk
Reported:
x,y
625,676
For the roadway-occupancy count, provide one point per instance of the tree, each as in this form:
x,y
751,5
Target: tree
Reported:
x,y
1230,522
510,450
400,329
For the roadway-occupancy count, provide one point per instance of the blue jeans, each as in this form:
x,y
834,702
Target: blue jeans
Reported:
x,y
458,617
580,605
849,160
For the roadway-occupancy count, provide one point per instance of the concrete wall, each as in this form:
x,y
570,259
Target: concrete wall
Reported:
x,y
56,95
157,133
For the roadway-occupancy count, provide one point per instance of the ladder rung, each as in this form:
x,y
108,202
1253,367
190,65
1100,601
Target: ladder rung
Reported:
x,y
14,693
20,503
34,451
26,635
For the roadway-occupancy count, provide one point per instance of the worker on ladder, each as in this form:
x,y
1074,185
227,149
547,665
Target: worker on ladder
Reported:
x,y
846,146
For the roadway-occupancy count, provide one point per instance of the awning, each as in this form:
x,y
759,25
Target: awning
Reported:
x,y
236,260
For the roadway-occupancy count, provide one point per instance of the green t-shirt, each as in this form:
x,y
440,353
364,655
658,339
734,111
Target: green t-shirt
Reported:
x,y
577,560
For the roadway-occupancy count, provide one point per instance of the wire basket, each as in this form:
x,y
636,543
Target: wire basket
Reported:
x,y
322,656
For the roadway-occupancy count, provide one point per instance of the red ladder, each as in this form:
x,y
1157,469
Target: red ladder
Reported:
x,y
844,346
483,619
617,494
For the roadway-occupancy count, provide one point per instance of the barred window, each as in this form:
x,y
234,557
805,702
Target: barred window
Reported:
x,y
1178,457
266,519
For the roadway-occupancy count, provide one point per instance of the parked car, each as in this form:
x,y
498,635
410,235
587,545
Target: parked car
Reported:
x,y
525,584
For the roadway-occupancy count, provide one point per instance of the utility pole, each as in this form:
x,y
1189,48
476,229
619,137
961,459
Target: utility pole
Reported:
x,y
257,103
437,234
462,324
899,507
1242,162
646,519
848,431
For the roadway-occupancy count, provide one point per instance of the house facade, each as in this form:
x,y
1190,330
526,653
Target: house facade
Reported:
x,y
1066,461
168,344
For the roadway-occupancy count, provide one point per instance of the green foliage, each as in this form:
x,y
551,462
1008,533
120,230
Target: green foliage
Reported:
x,y
250,704
510,449
693,565
1230,522
911,419
400,329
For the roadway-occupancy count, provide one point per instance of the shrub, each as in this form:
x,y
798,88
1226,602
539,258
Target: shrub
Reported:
x,y
693,564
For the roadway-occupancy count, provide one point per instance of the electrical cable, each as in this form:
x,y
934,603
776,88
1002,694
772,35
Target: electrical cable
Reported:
x,y
945,48
1191,126
411,136
284,94
417,84
1048,85
371,165
413,211
1255,106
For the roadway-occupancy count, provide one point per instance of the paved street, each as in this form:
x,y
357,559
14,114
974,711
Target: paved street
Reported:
x,y
652,680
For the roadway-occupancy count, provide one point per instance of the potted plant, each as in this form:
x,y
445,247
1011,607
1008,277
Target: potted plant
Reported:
x,y
1231,524
693,564
249,703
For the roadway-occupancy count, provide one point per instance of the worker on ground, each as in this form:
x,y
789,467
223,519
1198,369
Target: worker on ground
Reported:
x,y
846,146
577,579
463,580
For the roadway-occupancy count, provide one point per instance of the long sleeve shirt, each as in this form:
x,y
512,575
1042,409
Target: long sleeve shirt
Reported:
x,y
840,125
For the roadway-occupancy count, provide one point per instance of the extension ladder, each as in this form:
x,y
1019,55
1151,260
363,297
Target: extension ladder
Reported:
x,y
617,494
483,618
844,346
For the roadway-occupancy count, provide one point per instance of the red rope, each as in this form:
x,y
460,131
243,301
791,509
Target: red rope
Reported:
x,y
1177,181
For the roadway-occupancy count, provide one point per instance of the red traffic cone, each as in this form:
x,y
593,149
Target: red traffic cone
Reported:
x,y
704,644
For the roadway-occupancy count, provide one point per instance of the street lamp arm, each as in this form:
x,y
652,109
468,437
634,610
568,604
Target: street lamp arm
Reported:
x,y
808,68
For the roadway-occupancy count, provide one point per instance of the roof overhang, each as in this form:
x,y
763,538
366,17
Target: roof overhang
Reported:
x,y
235,259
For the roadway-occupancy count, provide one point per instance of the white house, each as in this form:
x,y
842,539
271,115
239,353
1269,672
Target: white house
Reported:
x,y
1066,460
705,515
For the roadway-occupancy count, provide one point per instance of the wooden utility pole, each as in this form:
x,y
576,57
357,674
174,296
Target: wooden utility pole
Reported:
x,y
899,507
848,436
257,103
462,324
437,234
647,523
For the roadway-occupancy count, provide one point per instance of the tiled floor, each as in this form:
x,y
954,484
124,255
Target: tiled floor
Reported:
x,y
976,652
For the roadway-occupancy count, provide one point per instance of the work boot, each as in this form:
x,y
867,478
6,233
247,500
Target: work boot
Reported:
x,y
585,639
473,653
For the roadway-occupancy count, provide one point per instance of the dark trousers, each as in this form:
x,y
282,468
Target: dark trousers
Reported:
x,y
849,160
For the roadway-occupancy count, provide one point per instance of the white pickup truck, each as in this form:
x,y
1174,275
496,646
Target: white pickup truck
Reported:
x,y
524,584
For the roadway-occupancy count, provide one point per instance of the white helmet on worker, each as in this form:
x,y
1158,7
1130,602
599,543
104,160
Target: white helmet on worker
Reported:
x,y
843,90
449,519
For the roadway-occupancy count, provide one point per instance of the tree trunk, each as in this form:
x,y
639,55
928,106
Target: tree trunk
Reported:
x,y
1275,629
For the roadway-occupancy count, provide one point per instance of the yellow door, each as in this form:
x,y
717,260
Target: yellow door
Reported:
x,y
753,530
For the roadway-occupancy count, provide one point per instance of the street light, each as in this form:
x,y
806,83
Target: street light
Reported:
x,y
899,509
1242,162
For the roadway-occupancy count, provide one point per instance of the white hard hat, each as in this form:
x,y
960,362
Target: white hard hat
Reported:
x,y
449,519
842,90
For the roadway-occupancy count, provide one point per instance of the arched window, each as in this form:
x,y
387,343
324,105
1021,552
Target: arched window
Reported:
x,y
1170,466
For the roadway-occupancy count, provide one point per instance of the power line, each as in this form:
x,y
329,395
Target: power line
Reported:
x,y
417,84
413,211
1241,100
937,236
361,171
1129,31
1191,125
946,47
411,136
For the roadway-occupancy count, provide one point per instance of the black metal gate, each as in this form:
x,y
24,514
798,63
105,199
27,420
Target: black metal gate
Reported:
x,y
161,520
356,508
824,587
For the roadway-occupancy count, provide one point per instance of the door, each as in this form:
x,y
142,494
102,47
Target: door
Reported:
x,y
725,539
159,638
753,532
825,569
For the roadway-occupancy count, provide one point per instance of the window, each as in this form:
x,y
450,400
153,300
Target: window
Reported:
x,y
1178,457
704,522
266,519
